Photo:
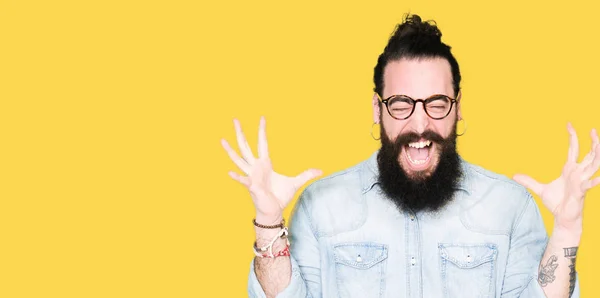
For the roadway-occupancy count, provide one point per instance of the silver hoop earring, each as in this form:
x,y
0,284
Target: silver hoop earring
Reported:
x,y
374,138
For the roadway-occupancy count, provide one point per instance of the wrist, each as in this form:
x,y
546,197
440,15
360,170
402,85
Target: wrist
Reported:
x,y
268,220
279,243
569,226
263,236
568,235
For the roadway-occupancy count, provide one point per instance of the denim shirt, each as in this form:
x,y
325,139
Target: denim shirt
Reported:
x,y
348,240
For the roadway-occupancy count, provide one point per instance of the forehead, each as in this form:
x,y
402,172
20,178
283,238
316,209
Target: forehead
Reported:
x,y
418,78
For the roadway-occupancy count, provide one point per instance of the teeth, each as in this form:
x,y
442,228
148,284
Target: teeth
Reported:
x,y
419,145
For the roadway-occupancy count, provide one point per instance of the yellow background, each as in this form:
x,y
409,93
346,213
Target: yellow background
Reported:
x,y
113,182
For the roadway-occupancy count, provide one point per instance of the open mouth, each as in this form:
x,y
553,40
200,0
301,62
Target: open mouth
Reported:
x,y
419,153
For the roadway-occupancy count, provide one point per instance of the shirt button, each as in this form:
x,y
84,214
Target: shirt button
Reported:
x,y
469,259
358,259
413,261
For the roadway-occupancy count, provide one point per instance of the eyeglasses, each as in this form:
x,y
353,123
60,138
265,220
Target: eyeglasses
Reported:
x,y
401,107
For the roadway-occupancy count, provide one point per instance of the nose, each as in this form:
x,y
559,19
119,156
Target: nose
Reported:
x,y
419,121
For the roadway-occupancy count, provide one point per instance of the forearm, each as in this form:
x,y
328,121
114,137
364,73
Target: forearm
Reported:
x,y
273,274
557,275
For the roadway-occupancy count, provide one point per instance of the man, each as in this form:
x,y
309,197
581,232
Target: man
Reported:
x,y
415,219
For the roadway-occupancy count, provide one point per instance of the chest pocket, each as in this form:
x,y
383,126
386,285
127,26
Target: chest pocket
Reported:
x,y
360,269
468,269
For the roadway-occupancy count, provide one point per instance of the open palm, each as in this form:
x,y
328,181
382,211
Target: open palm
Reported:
x,y
564,196
271,192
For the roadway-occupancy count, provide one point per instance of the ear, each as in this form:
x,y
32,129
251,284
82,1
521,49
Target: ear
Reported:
x,y
376,108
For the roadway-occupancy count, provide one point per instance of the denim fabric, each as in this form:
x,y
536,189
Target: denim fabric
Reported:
x,y
348,240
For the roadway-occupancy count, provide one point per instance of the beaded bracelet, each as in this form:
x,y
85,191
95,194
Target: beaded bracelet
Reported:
x,y
281,225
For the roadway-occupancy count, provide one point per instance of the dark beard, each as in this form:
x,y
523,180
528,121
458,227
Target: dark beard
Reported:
x,y
421,192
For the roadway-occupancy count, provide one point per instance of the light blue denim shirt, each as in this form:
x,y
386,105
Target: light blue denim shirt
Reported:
x,y
347,240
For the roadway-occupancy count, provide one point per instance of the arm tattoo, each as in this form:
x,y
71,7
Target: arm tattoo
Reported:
x,y
546,273
571,254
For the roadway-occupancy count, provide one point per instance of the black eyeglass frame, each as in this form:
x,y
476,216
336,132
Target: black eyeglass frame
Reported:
x,y
423,101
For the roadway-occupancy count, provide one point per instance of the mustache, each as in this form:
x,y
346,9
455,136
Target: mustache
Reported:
x,y
409,137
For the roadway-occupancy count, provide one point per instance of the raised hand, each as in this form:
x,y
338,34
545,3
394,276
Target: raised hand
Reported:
x,y
565,195
271,192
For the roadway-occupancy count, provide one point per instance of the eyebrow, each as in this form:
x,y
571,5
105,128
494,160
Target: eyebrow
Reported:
x,y
426,98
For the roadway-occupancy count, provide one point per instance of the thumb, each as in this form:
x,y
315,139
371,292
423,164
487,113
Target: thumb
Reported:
x,y
306,176
529,182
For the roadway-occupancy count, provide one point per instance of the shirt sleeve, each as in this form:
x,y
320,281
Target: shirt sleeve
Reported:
x,y
304,255
527,245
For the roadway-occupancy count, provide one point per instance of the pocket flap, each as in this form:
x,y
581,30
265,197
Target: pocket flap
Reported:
x,y
468,255
360,255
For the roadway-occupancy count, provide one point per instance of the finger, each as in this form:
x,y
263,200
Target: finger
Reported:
x,y
595,182
242,164
242,143
591,183
594,165
263,148
241,179
306,176
573,144
530,183
587,160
